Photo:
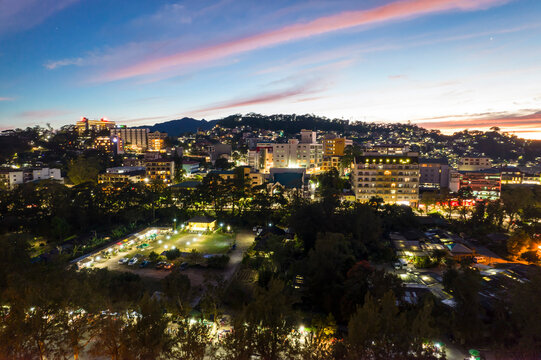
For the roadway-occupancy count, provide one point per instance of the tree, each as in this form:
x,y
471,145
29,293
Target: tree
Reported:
x,y
192,340
110,337
319,342
238,344
176,287
82,170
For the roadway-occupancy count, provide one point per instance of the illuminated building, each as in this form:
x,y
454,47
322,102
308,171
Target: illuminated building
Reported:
x,y
474,163
305,154
156,141
434,173
335,146
389,173
10,178
133,138
122,175
87,125
261,158
162,171
254,178
201,223
511,175
484,184
110,144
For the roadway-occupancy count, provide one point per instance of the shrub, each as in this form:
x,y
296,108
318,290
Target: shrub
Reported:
x,y
218,262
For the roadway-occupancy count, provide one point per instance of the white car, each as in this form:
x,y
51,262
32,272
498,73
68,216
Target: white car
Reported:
x,y
123,261
133,261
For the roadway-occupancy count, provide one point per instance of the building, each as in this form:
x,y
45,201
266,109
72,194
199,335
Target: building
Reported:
x,y
190,167
122,175
308,137
331,162
156,141
474,163
110,144
511,175
531,179
389,173
10,178
454,181
134,139
484,184
261,158
160,171
298,155
201,223
253,177
87,125
335,146
217,151
434,173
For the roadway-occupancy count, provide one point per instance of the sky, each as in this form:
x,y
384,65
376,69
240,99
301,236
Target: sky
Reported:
x,y
441,64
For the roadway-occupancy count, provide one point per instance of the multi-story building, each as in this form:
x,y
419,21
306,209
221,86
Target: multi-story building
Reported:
x,y
87,125
331,162
122,175
10,178
531,179
156,141
261,158
434,173
298,155
484,184
335,146
254,178
474,163
190,167
134,139
389,173
160,170
511,175
217,151
111,144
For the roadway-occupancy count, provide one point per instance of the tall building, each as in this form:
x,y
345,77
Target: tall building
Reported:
x,y
111,144
261,158
387,172
335,146
160,170
86,124
474,163
156,141
298,155
133,138
434,173
308,137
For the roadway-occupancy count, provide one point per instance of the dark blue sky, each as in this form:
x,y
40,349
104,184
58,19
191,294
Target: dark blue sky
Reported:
x,y
447,64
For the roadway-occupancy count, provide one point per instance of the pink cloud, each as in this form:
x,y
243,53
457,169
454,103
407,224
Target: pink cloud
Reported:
x,y
19,15
6,99
393,11
44,113
264,98
485,121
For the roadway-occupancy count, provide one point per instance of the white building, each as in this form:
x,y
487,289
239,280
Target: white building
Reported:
x,y
474,163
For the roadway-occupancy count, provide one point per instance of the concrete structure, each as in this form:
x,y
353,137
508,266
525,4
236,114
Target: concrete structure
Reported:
x,y
511,175
254,178
217,151
201,223
298,155
474,163
261,158
134,139
335,146
160,170
110,144
156,141
308,137
86,124
10,178
434,173
113,176
389,173
485,184
190,167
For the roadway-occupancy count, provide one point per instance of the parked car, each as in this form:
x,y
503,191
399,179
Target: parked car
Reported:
x,y
133,261
144,264
160,265
123,261
167,266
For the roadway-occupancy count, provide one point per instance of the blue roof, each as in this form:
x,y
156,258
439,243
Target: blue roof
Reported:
x,y
289,180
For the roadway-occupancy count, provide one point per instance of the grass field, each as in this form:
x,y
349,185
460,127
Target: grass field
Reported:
x,y
186,242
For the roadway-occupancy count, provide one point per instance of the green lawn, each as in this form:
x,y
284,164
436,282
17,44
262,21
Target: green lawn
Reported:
x,y
185,242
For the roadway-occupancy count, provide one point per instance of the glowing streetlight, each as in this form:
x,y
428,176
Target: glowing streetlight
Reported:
x,y
188,243
228,228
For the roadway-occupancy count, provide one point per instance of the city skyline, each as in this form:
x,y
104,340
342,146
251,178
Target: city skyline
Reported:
x,y
441,64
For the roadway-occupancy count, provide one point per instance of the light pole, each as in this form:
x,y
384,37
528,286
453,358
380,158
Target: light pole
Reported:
x,y
174,223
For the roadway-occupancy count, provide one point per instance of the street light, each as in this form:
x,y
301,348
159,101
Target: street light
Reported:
x,y
174,223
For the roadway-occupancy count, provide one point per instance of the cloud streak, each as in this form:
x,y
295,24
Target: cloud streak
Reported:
x,y
44,113
397,10
20,15
51,65
485,120
6,99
